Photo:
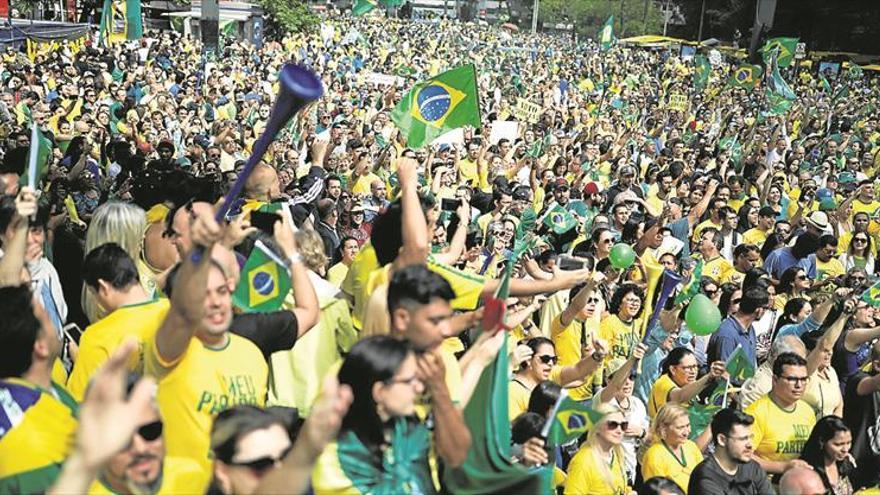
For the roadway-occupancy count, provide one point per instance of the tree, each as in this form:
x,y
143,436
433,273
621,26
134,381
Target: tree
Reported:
x,y
631,17
288,16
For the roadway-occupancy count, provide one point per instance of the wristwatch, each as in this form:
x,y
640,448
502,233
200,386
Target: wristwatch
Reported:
x,y
296,258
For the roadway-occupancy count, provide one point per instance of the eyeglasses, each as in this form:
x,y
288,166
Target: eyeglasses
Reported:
x,y
548,359
150,431
795,380
405,381
692,367
801,277
710,292
860,240
613,425
262,464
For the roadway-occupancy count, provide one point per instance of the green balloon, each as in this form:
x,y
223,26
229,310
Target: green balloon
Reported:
x,y
702,316
622,256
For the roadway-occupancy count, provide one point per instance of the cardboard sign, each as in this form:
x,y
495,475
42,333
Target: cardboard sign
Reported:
x,y
382,79
526,111
677,102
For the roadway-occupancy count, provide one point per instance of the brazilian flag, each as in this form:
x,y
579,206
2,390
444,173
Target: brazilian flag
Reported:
x,y
872,295
38,157
701,416
776,84
606,34
777,103
440,104
121,20
702,70
745,76
693,287
739,366
572,419
265,282
785,47
559,220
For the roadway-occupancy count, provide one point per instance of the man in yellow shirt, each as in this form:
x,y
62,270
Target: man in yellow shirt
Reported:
x,y
714,265
714,220
200,366
864,200
111,275
574,330
783,421
757,235
143,468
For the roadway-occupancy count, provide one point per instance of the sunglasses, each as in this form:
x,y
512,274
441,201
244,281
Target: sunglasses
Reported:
x,y
150,431
613,425
262,464
548,359
860,239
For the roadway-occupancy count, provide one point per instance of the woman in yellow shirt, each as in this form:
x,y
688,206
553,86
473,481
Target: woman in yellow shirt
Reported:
x,y
678,382
598,467
671,455
622,329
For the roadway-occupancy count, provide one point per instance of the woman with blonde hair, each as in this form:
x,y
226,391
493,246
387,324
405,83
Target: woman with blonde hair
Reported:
x,y
598,467
671,454
123,224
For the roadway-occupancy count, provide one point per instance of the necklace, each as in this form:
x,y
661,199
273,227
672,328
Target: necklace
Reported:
x,y
682,461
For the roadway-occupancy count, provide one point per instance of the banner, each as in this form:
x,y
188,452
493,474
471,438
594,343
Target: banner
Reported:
x,y
677,102
526,111
44,46
382,79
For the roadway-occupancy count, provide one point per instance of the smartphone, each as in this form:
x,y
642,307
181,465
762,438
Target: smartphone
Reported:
x,y
449,204
265,221
569,263
72,332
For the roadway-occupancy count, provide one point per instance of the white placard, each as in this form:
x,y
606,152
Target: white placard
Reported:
x,y
455,136
502,129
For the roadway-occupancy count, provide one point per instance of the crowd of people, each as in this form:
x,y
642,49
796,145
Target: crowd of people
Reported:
x,y
358,382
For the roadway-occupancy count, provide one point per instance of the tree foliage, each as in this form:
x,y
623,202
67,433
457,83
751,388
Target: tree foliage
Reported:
x,y
630,16
288,16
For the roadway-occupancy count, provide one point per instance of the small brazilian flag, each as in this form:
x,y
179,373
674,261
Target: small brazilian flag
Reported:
x,y
739,366
572,419
440,104
785,47
872,295
745,76
702,70
265,282
120,20
692,288
559,220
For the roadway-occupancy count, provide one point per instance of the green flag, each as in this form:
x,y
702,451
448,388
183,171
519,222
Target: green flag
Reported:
x,y
559,220
785,47
121,20
571,420
488,467
701,417
745,76
776,84
739,366
265,281
842,92
440,104
361,7
777,104
872,295
826,86
702,70
693,287
38,157
606,34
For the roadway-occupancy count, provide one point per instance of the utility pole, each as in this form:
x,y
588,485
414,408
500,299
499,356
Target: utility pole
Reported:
x,y
666,17
622,30
645,18
535,16
702,14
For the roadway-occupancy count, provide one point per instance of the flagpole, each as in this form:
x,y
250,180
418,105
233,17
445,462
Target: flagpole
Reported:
x,y
726,387
32,156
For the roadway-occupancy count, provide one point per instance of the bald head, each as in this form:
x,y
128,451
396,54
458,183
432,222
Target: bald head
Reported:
x,y
788,343
801,481
226,258
182,222
263,184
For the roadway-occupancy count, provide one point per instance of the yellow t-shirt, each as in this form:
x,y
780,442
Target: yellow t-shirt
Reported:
x,y
337,273
780,435
660,393
356,280
718,268
698,230
568,342
859,207
179,475
754,236
587,475
200,384
660,461
102,338
621,337
833,268
518,399
362,184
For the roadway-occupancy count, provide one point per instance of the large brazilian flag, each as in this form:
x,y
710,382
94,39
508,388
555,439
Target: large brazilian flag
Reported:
x,y
438,105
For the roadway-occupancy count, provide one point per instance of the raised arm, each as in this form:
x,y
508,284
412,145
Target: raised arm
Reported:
x,y
459,237
689,391
12,262
306,308
190,291
578,302
414,229
826,343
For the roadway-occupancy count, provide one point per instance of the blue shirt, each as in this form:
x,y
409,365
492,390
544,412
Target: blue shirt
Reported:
x,y
778,261
798,329
730,335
